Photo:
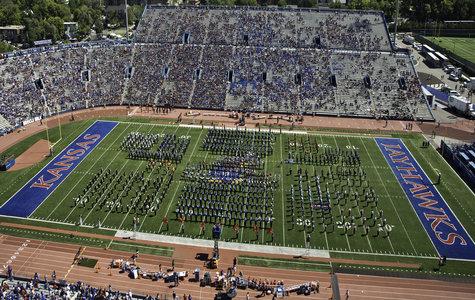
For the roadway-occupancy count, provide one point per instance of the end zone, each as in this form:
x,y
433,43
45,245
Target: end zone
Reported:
x,y
447,234
25,201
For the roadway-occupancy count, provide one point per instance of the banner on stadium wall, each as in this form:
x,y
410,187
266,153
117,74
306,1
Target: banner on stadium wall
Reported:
x,y
27,121
7,164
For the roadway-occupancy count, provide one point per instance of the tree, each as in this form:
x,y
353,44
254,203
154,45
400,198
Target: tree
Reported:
x,y
336,5
5,47
134,13
10,13
221,2
33,30
58,24
88,14
246,2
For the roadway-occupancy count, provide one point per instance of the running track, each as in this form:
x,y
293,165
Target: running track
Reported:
x,y
44,257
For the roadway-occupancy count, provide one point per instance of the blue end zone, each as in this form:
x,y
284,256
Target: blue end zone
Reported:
x,y
32,194
444,229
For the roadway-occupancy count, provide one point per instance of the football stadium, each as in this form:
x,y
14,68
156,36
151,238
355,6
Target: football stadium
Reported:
x,y
226,153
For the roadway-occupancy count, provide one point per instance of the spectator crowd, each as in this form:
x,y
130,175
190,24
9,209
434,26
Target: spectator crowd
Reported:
x,y
253,59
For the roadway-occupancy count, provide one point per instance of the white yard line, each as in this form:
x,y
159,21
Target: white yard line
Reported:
x,y
44,167
80,180
26,170
346,233
97,160
282,189
265,174
357,204
146,215
325,232
179,183
125,189
389,196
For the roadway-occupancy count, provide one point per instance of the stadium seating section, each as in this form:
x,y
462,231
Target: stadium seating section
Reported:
x,y
255,59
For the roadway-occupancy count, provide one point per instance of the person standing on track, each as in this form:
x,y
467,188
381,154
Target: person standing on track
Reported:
x,y
10,272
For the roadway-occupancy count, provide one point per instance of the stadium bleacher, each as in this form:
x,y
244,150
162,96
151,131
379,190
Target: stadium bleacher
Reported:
x,y
462,158
255,59
39,288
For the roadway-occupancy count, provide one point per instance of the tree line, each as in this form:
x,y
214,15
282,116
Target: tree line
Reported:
x,y
43,19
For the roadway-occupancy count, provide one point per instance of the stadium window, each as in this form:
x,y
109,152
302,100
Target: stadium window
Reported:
x,y
197,74
39,84
129,70
230,75
246,39
367,82
298,79
402,83
86,75
317,42
333,80
186,38
165,71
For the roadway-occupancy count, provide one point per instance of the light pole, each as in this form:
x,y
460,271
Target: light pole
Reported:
x,y
126,23
395,21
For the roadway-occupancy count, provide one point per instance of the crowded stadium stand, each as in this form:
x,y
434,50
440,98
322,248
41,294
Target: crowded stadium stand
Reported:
x,y
5,126
297,61
42,288
462,158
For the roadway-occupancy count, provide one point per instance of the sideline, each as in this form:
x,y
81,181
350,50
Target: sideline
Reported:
x,y
223,245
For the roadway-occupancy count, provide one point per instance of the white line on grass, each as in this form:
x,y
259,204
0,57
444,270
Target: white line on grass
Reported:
x,y
390,254
309,263
357,204
125,189
43,168
26,170
71,189
325,232
282,190
179,183
389,196
346,233
104,192
151,172
265,176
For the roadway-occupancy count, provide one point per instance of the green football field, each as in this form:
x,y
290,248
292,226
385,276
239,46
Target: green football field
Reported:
x,y
463,47
401,235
